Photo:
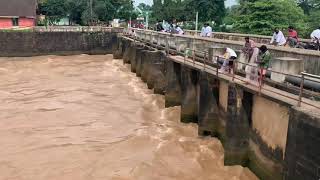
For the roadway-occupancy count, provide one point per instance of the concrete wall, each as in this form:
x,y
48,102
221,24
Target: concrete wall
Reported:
x,y
270,120
26,22
42,43
5,23
275,140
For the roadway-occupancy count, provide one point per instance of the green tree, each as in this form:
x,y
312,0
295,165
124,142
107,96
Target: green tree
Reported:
x,y
209,10
309,5
262,16
144,7
53,9
75,9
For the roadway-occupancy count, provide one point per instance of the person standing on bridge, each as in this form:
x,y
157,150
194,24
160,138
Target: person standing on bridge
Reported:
x,y
263,62
206,31
228,57
250,50
278,38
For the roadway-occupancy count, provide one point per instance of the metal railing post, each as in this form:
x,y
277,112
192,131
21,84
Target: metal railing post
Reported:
x,y
204,61
193,57
167,45
185,56
233,69
260,80
301,90
217,68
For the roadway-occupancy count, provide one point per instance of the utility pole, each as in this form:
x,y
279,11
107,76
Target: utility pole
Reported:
x,y
91,20
147,20
197,20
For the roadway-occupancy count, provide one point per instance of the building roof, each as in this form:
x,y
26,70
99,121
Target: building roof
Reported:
x,y
21,8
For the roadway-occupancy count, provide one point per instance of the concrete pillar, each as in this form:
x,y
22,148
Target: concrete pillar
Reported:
x,y
156,72
130,53
137,53
173,87
139,61
115,43
189,96
117,48
238,118
208,107
286,65
146,61
126,49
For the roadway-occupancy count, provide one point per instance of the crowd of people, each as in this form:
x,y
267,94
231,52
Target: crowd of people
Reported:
x,y
257,58
176,29
278,38
257,61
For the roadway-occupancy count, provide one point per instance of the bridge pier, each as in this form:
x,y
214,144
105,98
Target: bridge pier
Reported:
x,y
118,48
130,54
173,88
189,95
239,105
139,56
137,53
146,60
208,107
155,71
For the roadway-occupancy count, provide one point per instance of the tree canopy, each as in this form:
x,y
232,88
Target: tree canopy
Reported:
x,y
79,11
261,16
185,10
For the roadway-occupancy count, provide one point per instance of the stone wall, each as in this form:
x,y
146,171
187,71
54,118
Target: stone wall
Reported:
x,y
43,43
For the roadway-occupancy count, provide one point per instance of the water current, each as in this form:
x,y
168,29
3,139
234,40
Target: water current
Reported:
x,y
89,118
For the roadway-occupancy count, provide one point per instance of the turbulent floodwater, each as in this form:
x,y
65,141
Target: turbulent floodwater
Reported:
x,y
89,118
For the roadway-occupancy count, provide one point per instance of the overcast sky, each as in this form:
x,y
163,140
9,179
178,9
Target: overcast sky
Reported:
x,y
228,2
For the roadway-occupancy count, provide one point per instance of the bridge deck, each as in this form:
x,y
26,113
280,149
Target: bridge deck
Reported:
x,y
268,91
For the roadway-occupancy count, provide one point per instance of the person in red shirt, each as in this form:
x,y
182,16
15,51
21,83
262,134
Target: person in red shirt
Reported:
x,y
292,39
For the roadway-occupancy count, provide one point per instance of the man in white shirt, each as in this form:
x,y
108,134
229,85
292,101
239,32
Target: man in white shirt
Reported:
x,y
315,35
206,31
228,57
278,38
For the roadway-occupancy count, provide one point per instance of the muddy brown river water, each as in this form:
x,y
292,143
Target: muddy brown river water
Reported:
x,y
89,118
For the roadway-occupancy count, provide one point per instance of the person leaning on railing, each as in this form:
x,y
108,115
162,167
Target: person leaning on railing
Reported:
x,y
264,60
228,57
249,49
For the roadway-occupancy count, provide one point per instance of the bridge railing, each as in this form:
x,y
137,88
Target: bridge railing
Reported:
x,y
200,58
239,37
310,58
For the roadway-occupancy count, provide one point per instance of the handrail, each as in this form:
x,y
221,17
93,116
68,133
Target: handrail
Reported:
x,y
263,37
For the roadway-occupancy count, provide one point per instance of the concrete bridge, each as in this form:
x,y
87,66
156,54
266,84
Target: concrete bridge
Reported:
x,y
261,128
